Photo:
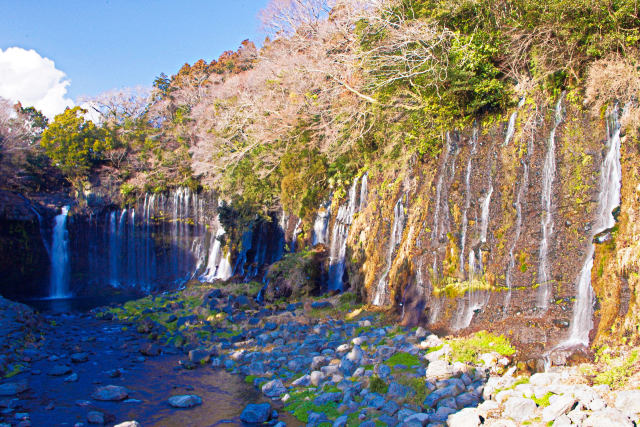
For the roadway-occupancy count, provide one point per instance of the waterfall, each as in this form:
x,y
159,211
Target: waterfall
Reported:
x,y
60,256
364,192
321,224
442,192
294,237
113,251
399,218
467,199
339,235
247,239
608,200
548,176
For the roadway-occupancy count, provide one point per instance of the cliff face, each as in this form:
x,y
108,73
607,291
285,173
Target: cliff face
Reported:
x,y
495,232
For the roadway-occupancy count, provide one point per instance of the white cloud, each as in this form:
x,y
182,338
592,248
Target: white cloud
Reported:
x,y
27,77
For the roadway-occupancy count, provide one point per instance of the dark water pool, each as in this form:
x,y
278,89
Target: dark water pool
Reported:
x,y
76,304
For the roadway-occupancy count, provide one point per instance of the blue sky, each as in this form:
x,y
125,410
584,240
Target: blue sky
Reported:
x,y
107,44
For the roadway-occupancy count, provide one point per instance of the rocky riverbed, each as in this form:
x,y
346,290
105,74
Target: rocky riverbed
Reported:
x,y
206,356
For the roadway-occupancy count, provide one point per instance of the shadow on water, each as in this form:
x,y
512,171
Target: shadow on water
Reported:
x,y
75,304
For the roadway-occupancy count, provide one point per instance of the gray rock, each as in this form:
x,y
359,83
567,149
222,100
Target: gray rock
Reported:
x,y
560,406
274,389
11,389
434,397
520,409
185,401
303,381
608,417
110,393
388,420
355,355
442,414
390,408
420,332
199,355
341,421
256,413
95,417
420,417
59,370
628,401
467,417
467,400
79,357
325,398
71,378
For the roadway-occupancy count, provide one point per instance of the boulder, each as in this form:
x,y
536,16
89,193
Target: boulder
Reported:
x,y
628,401
185,401
560,406
256,413
520,409
438,370
110,393
608,417
95,417
11,389
274,389
467,417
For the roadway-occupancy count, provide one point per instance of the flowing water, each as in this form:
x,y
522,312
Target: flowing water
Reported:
x,y
608,200
548,177
381,295
467,199
339,234
60,256
321,224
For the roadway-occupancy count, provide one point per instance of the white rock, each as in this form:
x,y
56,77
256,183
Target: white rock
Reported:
x,y
503,395
539,392
316,377
608,417
596,405
489,359
359,340
524,389
628,401
562,421
467,417
355,355
520,409
577,416
488,407
543,379
342,348
128,424
236,355
438,370
364,323
499,423
559,406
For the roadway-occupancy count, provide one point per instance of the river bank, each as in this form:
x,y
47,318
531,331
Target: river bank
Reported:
x,y
327,361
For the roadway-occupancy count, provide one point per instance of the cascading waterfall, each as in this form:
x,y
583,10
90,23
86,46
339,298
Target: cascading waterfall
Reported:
x,y
339,235
364,192
436,216
467,200
397,228
60,256
521,195
247,240
321,224
294,237
113,251
548,177
608,200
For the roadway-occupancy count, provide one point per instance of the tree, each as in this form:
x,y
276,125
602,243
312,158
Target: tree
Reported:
x,y
74,144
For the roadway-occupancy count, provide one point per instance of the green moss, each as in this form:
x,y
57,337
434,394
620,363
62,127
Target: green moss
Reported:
x,y
468,349
402,358
543,402
377,385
